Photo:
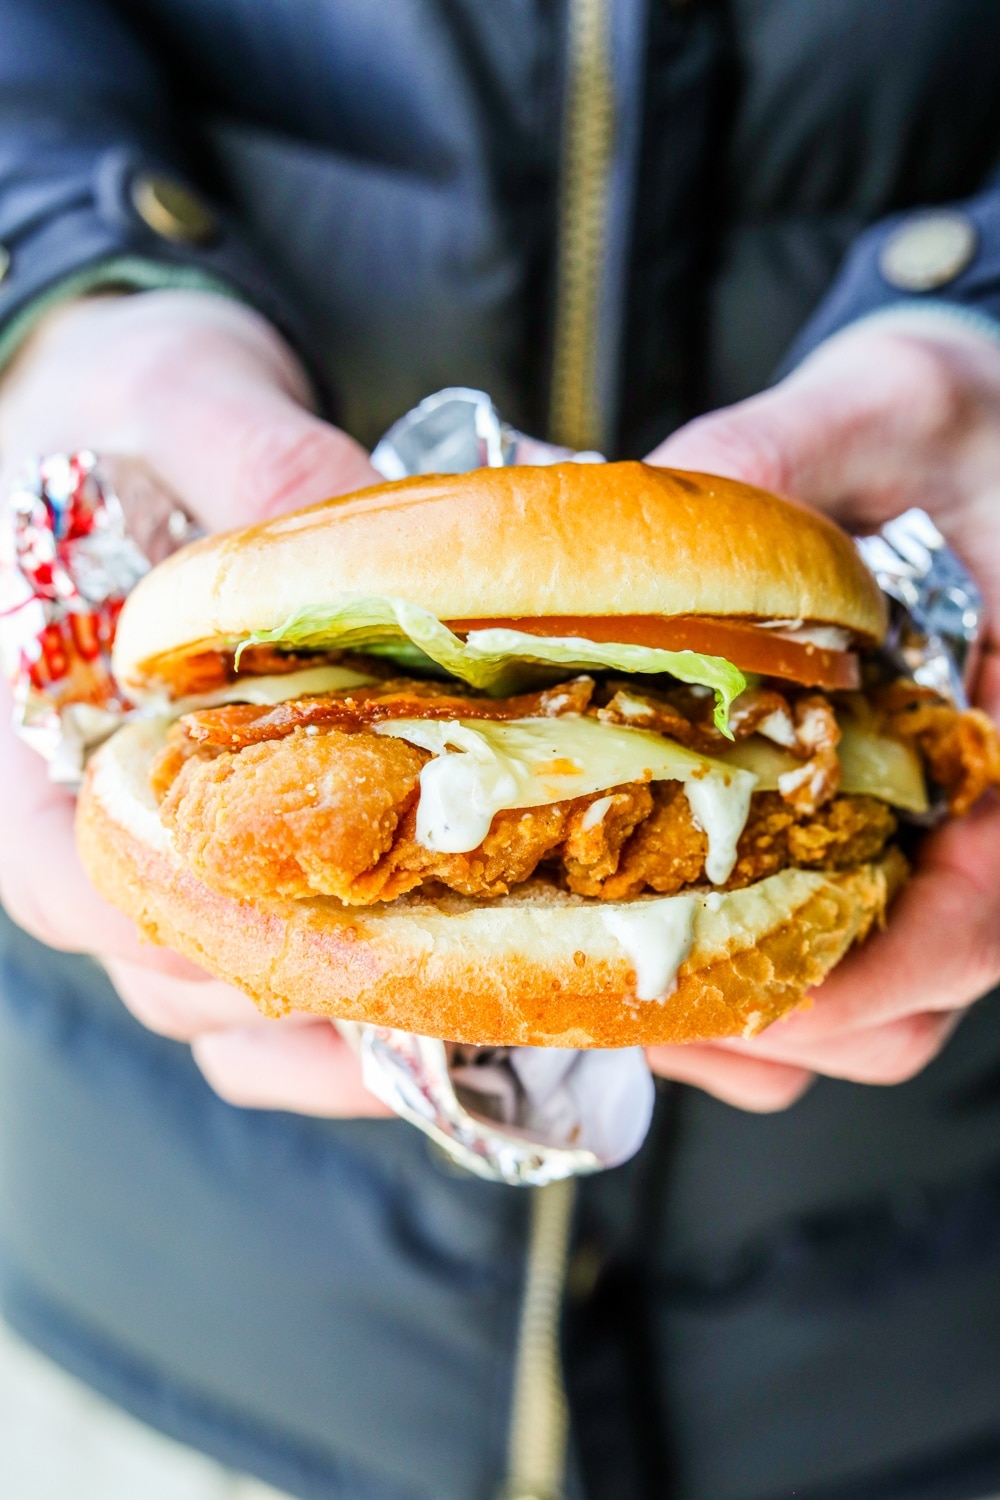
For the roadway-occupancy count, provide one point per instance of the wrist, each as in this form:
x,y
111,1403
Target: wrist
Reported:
x,y
115,319
939,328
100,370
934,317
920,375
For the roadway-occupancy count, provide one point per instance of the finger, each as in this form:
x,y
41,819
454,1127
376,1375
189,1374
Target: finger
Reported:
x,y
871,423
885,1054
794,441
987,688
43,886
201,388
747,1082
177,1008
244,451
940,949
307,1069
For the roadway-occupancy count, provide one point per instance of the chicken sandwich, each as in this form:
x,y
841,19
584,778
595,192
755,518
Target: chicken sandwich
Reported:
x,y
582,755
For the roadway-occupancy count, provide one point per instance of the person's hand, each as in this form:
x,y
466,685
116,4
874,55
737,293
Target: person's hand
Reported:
x,y
888,414
216,404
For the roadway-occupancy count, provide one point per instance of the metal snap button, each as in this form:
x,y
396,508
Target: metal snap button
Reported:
x,y
172,210
928,251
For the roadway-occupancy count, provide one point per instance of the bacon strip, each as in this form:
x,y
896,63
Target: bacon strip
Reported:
x,y
236,725
185,675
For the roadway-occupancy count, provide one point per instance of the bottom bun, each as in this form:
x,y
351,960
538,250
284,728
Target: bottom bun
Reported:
x,y
536,968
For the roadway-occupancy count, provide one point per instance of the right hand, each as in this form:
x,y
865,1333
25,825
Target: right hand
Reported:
x,y
216,404
886,414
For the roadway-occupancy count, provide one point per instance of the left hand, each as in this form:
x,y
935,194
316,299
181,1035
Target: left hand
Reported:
x,y
216,403
883,416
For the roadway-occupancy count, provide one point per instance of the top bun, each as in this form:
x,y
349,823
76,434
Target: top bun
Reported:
x,y
565,539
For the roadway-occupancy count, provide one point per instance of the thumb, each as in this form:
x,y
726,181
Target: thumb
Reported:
x,y
246,450
867,425
809,439
202,389
758,441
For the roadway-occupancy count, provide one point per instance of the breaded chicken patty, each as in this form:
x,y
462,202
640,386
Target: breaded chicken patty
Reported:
x,y
333,814
305,799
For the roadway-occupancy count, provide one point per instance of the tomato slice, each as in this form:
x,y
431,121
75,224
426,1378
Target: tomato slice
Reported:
x,y
750,647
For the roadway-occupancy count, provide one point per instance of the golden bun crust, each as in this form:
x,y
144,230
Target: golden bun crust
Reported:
x,y
537,969
570,539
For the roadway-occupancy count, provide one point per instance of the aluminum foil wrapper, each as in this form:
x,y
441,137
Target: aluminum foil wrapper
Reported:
x,y
77,534
525,1116
459,429
936,609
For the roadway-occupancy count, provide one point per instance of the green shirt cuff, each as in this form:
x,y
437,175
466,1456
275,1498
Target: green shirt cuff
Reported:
x,y
129,272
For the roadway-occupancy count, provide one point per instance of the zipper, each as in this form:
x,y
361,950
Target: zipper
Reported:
x,y
575,414
578,419
536,1452
539,1424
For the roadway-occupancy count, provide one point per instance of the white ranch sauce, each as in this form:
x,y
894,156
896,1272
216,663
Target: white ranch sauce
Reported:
x,y
720,807
657,936
827,637
596,813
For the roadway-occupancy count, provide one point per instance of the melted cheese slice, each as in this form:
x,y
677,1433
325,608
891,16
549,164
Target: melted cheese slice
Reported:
x,y
871,765
481,767
265,691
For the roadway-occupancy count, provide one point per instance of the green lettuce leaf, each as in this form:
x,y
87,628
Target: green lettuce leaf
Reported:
x,y
495,661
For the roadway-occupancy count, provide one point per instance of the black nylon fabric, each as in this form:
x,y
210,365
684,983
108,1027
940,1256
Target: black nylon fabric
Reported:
x,y
391,169
316,1301
841,114
795,1304
822,1285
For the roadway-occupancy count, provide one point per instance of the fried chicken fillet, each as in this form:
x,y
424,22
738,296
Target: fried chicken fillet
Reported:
x,y
306,800
569,755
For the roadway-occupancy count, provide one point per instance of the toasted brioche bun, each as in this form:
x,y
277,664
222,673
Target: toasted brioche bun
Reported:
x,y
572,539
534,969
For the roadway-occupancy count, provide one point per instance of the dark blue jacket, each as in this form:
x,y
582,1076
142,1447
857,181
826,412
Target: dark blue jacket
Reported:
x,y
760,1306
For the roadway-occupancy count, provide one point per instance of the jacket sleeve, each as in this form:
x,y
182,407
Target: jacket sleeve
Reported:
x,y
941,260
99,185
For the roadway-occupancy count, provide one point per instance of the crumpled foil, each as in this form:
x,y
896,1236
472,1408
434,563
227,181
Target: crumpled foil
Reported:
x,y
524,1116
459,429
76,538
935,608
77,534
